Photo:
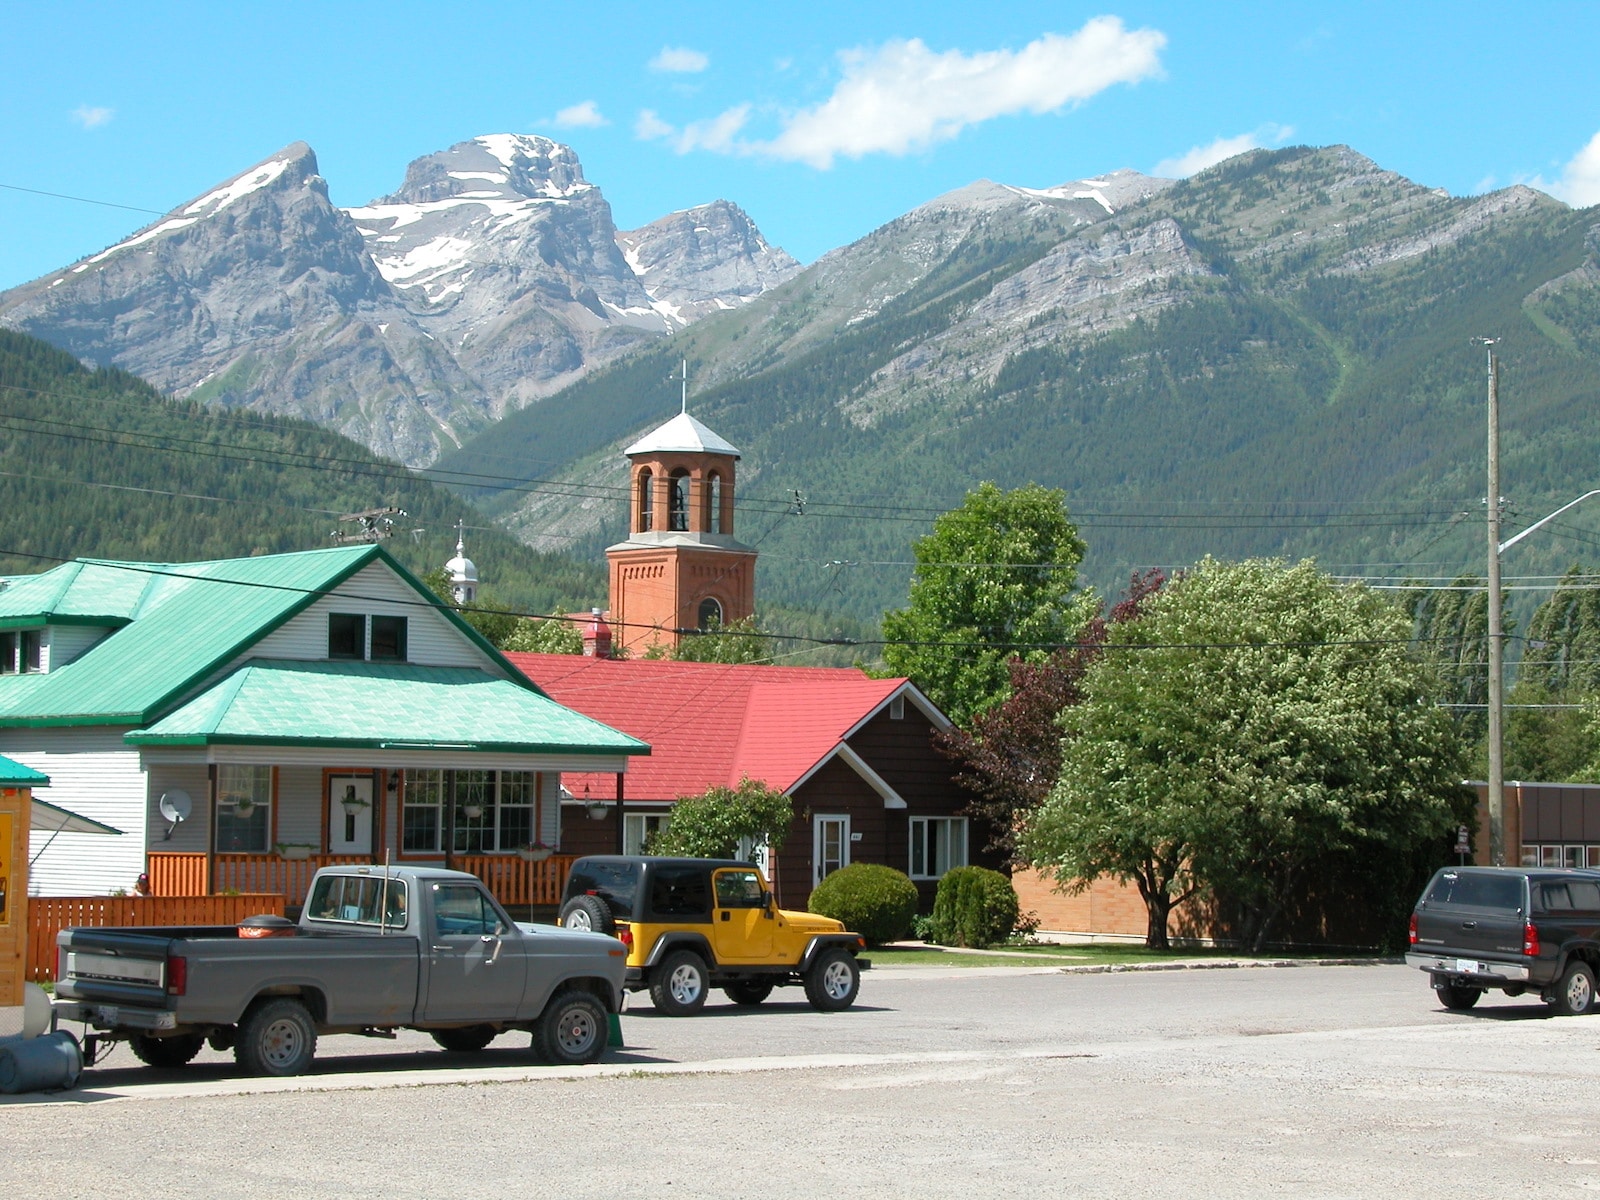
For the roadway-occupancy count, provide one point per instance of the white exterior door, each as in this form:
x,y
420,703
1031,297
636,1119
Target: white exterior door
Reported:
x,y
350,814
830,844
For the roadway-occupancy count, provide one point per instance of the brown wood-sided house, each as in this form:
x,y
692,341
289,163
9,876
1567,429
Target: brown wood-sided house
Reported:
x,y
855,755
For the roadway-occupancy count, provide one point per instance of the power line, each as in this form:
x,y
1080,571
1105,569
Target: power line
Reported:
x,y
11,187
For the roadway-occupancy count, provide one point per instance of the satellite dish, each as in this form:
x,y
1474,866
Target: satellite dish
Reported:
x,y
175,806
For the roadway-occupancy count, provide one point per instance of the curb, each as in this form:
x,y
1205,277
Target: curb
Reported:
x,y
1229,964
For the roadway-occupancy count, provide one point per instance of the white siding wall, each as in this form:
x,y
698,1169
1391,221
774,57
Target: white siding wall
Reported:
x,y
94,773
192,835
67,642
430,638
300,806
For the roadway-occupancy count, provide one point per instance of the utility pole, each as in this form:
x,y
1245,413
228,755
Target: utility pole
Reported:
x,y
1497,813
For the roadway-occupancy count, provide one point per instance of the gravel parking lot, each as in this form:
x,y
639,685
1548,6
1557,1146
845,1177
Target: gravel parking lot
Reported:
x,y
1321,1081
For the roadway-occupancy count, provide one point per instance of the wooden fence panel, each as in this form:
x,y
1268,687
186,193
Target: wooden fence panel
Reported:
x,y
175,874
49,915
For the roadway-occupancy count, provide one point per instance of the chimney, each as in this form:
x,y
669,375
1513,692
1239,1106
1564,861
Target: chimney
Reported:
x,y
596,636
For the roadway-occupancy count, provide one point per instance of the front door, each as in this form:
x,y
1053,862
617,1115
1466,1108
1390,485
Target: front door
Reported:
x,y
830,845
476,965
349,814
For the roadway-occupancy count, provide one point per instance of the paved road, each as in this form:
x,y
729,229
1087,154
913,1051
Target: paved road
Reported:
x,y
1338,1081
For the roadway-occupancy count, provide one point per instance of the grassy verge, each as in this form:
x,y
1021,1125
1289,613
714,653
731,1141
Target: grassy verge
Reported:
x,y
1034,956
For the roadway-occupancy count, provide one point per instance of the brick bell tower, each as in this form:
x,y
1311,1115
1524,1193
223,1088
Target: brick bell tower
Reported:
x,y
680,567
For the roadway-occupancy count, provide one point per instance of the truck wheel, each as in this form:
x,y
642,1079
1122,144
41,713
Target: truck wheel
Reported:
x,y
1575,992
276,1037
467,1040
572,1030
833,980
1454,996
168,1051
678,987
589,912
748,993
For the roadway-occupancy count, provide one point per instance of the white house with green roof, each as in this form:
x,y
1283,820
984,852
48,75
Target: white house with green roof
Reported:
x,y
302,708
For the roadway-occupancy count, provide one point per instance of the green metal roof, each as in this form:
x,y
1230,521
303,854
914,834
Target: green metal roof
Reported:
x,y
183,622
14,774
396,706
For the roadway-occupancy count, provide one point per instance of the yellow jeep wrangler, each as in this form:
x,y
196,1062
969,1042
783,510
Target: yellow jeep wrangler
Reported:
x,y
691,924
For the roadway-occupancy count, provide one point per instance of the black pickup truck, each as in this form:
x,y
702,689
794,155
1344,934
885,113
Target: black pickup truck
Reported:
x,y
1516,929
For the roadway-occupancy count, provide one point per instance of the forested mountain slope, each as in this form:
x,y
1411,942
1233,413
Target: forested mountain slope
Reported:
x,y
1272,357
98,463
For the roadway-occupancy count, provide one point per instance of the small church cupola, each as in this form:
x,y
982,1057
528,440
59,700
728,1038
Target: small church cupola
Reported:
x,y
680,567
463,575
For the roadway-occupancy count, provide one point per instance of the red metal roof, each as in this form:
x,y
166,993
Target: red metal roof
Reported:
x,y
709,724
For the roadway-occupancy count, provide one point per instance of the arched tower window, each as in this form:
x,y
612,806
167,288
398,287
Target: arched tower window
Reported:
x,y
678,512
714,503
646,501
710,613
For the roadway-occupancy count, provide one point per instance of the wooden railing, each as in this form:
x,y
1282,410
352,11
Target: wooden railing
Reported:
x,y
512,880
49,915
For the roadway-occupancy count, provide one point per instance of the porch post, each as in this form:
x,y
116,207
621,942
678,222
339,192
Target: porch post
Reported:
x,y
378,807
211,829
450,820
621,837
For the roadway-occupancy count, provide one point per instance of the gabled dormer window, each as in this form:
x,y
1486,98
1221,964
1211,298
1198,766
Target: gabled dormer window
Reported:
x,y
347,637
32,651
8,653
388,639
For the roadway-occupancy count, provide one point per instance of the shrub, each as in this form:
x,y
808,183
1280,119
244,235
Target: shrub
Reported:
x,y
712,824
974,907
875,901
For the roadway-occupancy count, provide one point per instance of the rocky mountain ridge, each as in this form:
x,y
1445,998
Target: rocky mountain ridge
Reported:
x,y
492,277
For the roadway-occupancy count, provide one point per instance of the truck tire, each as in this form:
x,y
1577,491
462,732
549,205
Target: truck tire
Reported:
x,y
467,1040
589,912
167,1052
747,993
572,1030
1575,993
1458,998
832,980
276,1037
678,986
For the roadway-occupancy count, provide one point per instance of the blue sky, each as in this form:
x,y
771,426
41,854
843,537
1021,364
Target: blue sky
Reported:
x,y
822,120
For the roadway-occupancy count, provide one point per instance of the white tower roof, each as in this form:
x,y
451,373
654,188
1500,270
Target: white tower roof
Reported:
x,y
461,568
682,434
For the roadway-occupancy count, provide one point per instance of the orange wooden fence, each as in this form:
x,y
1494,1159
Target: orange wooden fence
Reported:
x,y
49,915
512,879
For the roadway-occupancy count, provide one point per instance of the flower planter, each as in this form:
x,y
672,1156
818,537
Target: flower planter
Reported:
x,y
294,852
534,853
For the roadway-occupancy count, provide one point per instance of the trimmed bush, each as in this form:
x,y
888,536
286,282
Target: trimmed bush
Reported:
x,y
974,907
875,901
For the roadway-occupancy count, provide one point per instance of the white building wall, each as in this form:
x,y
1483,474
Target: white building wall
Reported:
x,y
431,639
299,800
93,773
189,836
67,642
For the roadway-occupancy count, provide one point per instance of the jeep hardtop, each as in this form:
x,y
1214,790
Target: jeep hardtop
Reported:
x,y
691,924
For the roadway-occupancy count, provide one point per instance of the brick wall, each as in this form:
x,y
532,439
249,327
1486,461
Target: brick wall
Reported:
x,y
1105,907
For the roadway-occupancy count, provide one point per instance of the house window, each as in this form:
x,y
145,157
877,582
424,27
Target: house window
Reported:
x,y
937,844
244,809
516,809
388,639
678,512
32,651
1567,854
8,653
347,635
710,613
897,709
420,821
639,829
647,503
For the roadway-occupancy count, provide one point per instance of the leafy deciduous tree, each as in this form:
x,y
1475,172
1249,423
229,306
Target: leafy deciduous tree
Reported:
x,y
712,824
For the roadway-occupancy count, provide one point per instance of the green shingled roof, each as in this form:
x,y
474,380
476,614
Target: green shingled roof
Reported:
x,y
14,774
181,623
277,702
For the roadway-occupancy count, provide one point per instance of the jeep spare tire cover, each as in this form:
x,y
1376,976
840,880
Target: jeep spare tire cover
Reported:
x,y
588,912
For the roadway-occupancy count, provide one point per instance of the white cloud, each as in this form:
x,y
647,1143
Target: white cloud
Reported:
x,y
719,134
1199,158
1579,184
679,59
580,116
904,97
92,118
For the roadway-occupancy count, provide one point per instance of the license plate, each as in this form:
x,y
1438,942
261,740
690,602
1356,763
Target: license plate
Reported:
x,y
1469,966
107,1014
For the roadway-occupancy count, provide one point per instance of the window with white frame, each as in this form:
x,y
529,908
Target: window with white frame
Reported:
x,y
639,829
937,844
494,811
244,809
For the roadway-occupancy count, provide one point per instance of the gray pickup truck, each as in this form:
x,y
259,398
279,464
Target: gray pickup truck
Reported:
x,y
1513,929
375,950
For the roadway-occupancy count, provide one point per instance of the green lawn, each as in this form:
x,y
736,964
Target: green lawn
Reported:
x,y
1036,956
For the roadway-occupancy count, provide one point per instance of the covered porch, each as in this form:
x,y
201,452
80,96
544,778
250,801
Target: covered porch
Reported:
x,y
287,767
